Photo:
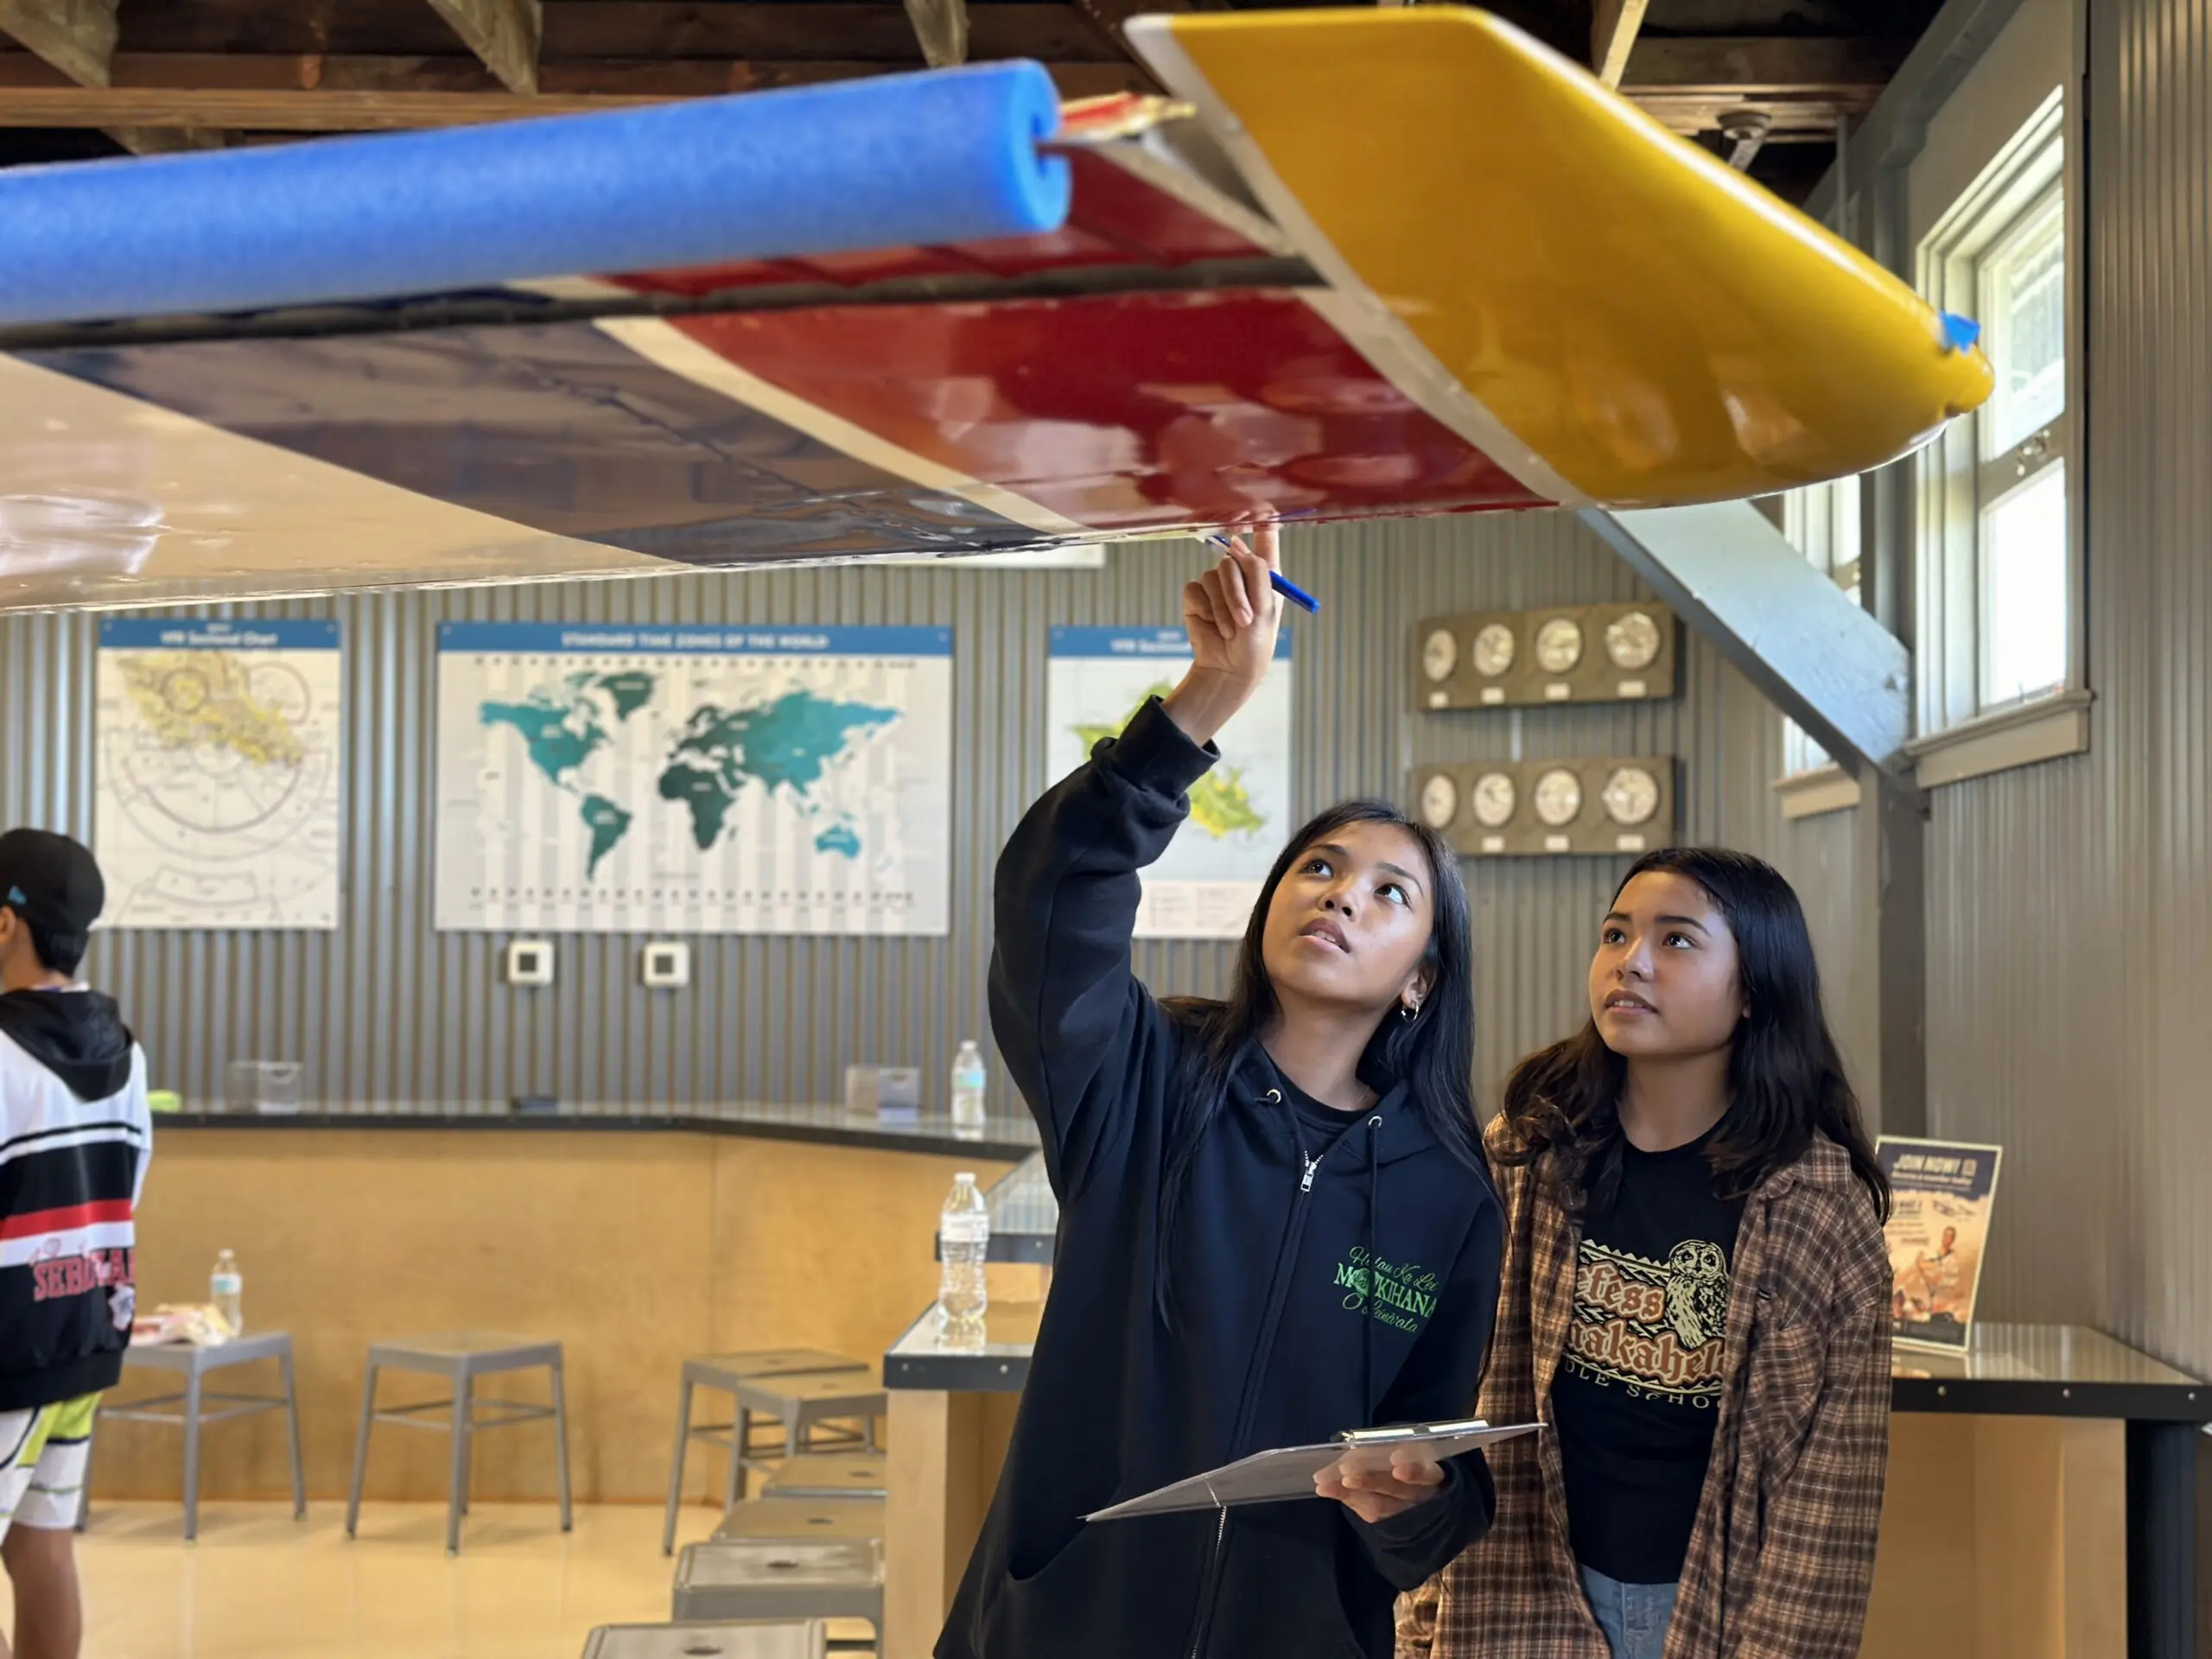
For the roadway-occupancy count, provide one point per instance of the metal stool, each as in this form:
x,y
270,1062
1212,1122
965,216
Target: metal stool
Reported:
x,y
761,1382
193,1364
461,1358
779,1638
812,1408
796,1518
831,1474
770,1578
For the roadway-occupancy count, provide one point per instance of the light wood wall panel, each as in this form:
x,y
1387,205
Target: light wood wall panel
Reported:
x,y
633,1249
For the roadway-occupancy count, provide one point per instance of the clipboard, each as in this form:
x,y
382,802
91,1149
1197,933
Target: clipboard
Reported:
x,y
1288,1471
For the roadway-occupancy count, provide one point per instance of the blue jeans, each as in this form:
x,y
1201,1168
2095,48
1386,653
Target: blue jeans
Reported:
x,y
1634,1617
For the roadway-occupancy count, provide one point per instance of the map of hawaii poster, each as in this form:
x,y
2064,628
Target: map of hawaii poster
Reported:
x,y
1204,886
640,778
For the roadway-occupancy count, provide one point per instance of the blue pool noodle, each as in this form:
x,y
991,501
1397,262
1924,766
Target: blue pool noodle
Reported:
x,y
946,156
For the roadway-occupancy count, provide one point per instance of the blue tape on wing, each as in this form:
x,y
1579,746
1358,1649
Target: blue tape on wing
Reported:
x,y
900,161
1959,333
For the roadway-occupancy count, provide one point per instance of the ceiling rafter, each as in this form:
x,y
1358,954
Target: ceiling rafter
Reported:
x,y
76,39
941,29
505,34
1613,26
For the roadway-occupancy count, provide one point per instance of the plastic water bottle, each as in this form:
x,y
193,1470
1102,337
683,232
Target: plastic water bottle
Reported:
x,y
969,1083
226,1289
963,1238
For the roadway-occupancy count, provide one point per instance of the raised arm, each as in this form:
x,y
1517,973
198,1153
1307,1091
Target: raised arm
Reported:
x,y
1069,1015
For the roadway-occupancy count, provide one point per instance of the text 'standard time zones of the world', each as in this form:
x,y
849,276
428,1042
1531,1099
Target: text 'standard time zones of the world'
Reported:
x,y
693,779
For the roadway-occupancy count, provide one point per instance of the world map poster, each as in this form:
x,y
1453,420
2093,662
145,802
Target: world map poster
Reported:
x,y
1204,886
624,779
219,781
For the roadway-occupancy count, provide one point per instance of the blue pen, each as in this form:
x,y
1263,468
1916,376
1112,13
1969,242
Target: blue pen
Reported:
x,y
1282,584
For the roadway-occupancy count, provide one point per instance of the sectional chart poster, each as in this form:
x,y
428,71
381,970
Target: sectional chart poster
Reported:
x,y
220,770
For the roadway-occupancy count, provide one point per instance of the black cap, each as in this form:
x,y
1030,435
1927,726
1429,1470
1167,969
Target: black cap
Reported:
x,y
50,881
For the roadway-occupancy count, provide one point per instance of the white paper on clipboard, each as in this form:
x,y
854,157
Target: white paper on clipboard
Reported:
x,y
1288,1471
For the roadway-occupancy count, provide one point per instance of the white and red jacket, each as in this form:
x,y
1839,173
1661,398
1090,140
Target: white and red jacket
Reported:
x,y
74,1137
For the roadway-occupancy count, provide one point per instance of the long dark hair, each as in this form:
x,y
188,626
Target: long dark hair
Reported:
x,y
1432,1054
1785,1076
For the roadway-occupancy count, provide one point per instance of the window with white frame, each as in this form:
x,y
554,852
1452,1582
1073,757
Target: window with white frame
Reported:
x,y
1821,522
1997,573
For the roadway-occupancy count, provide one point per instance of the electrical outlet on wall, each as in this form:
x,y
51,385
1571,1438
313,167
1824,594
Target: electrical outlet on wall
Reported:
x,y
666,965
530,962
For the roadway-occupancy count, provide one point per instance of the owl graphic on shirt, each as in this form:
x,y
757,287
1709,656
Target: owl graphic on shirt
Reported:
x,y
1697,1291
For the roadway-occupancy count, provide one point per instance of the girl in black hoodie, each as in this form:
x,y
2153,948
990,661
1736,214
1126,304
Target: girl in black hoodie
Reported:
x,y
1275,1221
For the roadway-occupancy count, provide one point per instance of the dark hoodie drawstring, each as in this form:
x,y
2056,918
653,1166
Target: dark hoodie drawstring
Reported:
x,y
1374,1277
1275,1097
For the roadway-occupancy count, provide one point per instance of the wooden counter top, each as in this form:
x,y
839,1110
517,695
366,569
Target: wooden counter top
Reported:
x,y
999,1139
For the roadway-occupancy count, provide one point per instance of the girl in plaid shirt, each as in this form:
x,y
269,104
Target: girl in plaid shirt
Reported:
x,y
1695,1301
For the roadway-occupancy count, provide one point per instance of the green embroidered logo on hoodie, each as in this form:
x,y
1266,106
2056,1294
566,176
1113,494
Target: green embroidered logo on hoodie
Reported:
x,y
1398,1295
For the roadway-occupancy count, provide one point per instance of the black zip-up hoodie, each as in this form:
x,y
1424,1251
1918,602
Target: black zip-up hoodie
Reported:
x,y
1276,1341
75,1134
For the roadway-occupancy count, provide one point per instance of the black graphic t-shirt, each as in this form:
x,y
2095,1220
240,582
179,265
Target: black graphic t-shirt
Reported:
x,y
1320,1126
1638,1390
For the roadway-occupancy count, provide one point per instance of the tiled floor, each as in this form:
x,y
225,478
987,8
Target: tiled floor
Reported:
x,y
260,1585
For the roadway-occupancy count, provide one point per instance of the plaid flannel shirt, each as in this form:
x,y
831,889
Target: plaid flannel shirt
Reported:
x,y
1782,1555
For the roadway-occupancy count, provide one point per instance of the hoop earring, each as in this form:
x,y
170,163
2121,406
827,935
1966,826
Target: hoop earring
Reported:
x,y
1406,1013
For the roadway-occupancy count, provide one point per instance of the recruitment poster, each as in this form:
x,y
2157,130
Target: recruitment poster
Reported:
x,y
1938,1231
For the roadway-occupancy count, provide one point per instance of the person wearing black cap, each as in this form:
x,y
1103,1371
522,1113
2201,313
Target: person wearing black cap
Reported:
x,y
74,1136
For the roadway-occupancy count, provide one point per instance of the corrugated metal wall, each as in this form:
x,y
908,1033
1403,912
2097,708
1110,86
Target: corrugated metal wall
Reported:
x,y
388,1009
2070,926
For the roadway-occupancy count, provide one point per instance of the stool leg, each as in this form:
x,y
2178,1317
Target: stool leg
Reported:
x,y
191,1455
464,1389
676,1473
292,1428
741,1434
561,1443
361,1449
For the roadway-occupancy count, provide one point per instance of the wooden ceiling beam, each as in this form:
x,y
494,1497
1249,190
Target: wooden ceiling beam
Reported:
x,y
1761,63
505,34
861,30
1800,85
1613,26
187,72
1797,119
287,110
261,110
328,95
